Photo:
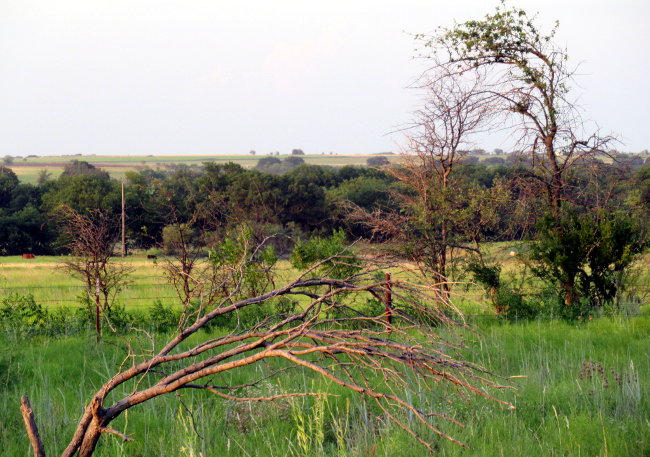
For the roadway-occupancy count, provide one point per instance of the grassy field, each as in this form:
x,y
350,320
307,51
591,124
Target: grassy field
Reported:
x,y
49,283
580,389
28,169
45,278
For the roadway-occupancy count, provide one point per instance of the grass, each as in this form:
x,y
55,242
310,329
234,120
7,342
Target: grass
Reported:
x,y
580,389
49,283
562,408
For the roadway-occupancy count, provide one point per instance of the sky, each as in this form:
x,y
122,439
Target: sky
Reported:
x,y
140,77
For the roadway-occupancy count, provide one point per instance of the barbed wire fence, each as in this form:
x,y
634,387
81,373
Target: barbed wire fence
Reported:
x,y
132,294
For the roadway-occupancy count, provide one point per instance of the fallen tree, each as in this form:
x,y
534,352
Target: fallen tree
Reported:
x,y
334,331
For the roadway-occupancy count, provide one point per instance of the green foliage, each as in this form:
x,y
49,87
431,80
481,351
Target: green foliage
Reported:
x,y
488,276
284,306
175,236
587,256
83,192
163,318
239,259
277,166
8,181
509,36
378,161
334,254
20,314
81,167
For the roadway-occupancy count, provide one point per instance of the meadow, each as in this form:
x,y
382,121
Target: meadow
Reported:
x,y
579,391
579,388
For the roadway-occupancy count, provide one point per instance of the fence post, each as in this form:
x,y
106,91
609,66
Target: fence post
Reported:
x,y
98,327
389,301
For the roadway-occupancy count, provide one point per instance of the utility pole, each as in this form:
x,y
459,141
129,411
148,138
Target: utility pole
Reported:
x,y
123,224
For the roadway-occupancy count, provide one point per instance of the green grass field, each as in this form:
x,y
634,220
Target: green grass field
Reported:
x,y
565,405
580,389
51,285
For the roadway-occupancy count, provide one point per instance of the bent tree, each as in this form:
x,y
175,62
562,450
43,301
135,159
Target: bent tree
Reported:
x,y
529,78
333,333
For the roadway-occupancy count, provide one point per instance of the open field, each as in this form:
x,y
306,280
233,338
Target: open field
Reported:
x,y
580,391
45,278
28,169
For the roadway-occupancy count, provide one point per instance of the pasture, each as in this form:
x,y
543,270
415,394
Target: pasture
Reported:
x,y
580,389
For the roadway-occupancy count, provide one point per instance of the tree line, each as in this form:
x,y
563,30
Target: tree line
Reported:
x,y
308,200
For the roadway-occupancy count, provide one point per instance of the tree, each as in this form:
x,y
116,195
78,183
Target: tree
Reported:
x,y
297,152
435,206
337,334
266,163
81,167
8,160
8,182
91,240
529,82
589,258
377,161
43,177
83,192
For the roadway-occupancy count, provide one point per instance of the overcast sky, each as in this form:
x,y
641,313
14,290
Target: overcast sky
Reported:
x,y
225,77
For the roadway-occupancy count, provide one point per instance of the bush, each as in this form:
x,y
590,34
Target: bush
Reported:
x,y
307,253
587,257
377,161
22,315
163,318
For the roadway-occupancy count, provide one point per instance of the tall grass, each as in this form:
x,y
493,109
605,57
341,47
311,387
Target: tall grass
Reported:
x,y
579,390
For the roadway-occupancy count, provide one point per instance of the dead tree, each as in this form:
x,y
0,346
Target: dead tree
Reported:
x,y
437,214
91,239
364,353
188,239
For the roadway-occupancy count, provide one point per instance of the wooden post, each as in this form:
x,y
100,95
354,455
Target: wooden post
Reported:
x,y
98,326
389,301
123,224
32,429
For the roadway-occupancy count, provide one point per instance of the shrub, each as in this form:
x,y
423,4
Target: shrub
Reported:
x,y
587,257
21,314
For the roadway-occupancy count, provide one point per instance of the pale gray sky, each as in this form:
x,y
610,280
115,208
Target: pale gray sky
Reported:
x,y
216,77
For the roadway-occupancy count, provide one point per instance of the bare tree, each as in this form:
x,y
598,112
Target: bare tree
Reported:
x,y
92,238
356,350
437,214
